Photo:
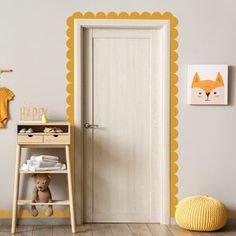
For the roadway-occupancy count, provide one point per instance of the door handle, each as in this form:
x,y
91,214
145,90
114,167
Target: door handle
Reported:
x,y
90,126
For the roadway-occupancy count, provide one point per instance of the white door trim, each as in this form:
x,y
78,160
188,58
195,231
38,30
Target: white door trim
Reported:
x,y
164,26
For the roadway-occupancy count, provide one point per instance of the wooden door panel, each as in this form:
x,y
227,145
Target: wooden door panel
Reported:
x,y
120,98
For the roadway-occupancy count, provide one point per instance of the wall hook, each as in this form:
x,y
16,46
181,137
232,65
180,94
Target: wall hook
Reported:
x,y
5,71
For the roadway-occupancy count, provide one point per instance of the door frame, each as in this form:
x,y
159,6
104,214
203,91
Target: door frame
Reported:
x,y
164,27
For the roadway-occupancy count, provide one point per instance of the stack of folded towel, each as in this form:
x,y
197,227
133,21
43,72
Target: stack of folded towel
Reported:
x,y
43,162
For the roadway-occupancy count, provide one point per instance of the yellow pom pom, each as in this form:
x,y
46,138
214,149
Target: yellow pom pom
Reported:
x,y
201,213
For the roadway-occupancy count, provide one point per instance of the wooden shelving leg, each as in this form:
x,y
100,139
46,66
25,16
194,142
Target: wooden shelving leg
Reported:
x,y
16,189
71,198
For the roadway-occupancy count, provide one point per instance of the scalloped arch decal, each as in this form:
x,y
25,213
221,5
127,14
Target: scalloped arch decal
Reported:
x,y
173,87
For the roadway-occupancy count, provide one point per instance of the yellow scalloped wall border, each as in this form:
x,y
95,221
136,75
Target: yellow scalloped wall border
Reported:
x,y
173,84
26,214
173,95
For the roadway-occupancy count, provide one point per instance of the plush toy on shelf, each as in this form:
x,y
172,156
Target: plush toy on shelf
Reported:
x,y
41,193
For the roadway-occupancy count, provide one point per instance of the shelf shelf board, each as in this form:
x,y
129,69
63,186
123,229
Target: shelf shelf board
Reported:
x,y
38,123
40,145
55,202
45,134
44,172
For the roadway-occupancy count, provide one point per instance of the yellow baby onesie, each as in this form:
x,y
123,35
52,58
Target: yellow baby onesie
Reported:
x,y
5,96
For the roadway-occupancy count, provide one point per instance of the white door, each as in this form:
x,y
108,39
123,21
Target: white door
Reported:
x,y
122,97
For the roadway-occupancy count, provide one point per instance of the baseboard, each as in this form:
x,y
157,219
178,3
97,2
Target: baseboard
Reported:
x,y
39,221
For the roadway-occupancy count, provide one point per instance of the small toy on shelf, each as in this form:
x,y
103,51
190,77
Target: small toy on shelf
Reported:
x,y
44,118
41,193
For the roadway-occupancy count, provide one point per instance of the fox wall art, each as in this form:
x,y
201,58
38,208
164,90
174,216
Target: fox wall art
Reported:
x,y
208,84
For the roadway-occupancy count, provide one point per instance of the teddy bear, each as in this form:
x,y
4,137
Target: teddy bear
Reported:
x,y
41,193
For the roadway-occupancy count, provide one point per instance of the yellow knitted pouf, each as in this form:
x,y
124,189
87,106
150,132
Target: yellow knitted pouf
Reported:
x,y
201,213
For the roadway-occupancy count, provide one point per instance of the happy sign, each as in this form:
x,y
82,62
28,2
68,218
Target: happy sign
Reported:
x,y
32,113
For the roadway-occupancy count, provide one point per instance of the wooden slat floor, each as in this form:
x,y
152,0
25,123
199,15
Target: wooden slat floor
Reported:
x,y
112,230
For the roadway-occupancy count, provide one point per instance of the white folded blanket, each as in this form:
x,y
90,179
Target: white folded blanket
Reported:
x,y
27,167
42,163
44,158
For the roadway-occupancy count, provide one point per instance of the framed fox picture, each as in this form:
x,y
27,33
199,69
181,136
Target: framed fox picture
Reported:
x,y
208,84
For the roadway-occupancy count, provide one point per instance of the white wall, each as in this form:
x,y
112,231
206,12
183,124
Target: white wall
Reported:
x,y
33,43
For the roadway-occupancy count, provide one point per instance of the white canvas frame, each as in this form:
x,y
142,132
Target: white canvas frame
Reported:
x,y
208,71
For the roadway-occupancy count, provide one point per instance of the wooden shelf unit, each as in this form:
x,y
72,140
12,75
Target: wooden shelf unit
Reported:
x,y
39,139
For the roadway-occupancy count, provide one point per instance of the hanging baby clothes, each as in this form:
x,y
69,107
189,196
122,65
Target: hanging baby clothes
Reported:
x,y
5,96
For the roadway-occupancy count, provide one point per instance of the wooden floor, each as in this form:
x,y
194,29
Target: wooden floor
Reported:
x,y
112,230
